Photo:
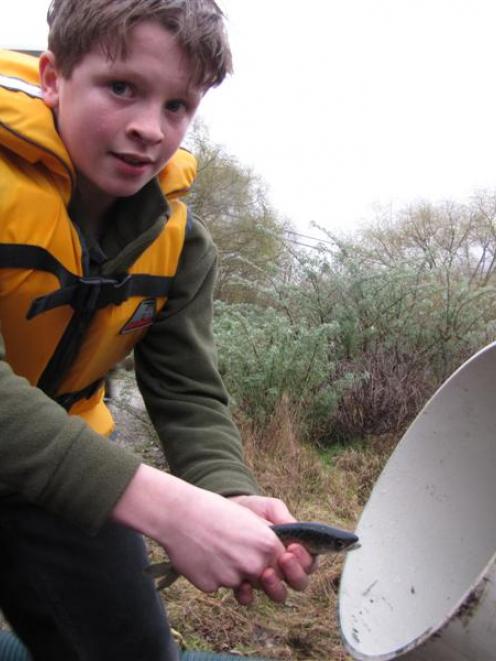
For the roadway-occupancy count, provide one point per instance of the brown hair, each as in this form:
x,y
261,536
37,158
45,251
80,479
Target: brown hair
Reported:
x,y
76,26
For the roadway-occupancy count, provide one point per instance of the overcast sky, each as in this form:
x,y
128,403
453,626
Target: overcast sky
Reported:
x,y
346,106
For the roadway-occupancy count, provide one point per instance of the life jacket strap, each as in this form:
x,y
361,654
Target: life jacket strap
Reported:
x,y
95,292
24,256
84,294
67,400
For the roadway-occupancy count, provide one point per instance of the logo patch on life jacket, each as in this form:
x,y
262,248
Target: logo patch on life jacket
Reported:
x,y
143,316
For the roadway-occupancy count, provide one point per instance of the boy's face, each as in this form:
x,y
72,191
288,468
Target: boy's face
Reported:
x,y
122,120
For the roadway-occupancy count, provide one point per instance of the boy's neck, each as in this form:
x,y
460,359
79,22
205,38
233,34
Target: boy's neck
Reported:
x,y
94,204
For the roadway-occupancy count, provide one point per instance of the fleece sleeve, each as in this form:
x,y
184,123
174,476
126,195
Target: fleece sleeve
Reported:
x,y
55,460
176,367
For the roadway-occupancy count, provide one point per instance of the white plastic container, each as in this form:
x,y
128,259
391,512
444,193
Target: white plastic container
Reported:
x,y
423,583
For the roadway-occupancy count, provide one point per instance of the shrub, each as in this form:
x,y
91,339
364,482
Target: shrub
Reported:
x,y
358,334
263,357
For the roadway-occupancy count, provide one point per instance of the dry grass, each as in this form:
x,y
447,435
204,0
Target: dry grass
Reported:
x,y
306,627
361,466
396,387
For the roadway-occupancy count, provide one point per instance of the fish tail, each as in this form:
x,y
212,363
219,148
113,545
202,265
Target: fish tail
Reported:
x,y
158,569
163,570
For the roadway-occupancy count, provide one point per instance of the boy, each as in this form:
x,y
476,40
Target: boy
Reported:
x,y
98,255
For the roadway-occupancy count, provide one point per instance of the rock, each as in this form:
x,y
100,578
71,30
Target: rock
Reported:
x,y
133,427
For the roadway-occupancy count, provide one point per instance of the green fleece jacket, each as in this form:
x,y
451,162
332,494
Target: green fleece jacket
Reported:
x,y
56,461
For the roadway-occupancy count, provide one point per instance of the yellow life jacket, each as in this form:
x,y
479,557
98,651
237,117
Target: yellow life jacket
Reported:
x,y
63,329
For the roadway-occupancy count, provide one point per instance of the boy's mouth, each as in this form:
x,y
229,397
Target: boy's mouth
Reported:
x,y
133,159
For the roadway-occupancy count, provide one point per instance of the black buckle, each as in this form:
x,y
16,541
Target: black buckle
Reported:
x,y
94,292
86,294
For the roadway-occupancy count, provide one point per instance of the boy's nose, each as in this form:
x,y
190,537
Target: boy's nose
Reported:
x,y
147,127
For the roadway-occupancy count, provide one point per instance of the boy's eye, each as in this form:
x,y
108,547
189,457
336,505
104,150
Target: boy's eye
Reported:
x,y
175,105
120,88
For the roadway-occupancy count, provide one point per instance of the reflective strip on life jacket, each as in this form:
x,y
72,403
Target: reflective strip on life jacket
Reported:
x,y
19,85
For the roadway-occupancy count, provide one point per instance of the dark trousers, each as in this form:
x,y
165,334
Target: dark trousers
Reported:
x,y
73,597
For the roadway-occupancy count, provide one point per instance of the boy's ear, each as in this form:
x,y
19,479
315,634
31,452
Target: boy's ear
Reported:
x,y
49,79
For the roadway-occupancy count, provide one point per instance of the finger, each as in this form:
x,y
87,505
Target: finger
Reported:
x,y
244,594
273,586
293,572
278,512
309,562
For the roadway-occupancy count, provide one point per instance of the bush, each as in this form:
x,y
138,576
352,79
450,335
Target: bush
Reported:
x,y
358,334
263,357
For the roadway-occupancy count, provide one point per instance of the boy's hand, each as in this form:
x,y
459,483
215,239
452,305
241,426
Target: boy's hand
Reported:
x,y
294,564
210,539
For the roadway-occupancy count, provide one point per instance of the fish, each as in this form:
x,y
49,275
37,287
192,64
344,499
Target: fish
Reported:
x,y
317,538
